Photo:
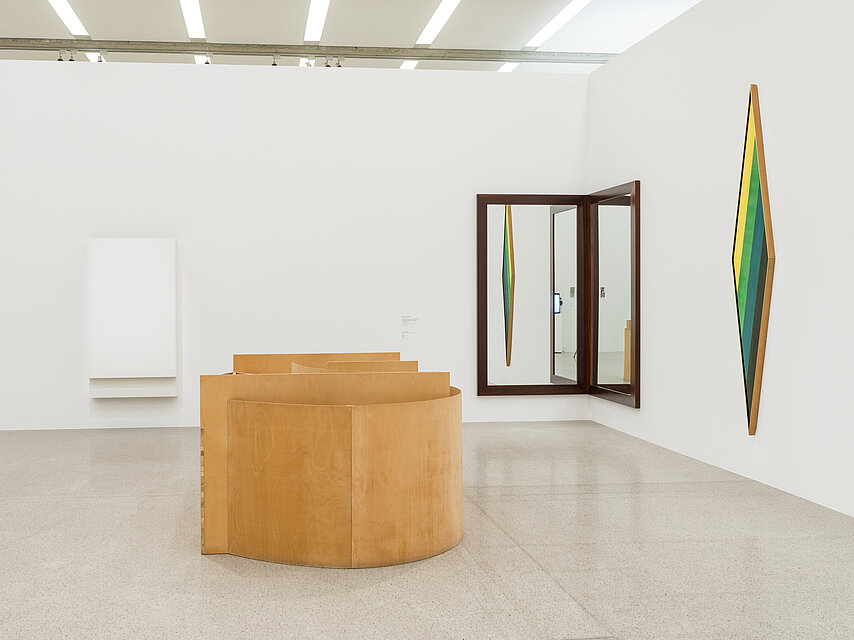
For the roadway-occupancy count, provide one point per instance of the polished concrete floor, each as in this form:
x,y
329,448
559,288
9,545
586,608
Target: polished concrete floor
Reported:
x,y
572,530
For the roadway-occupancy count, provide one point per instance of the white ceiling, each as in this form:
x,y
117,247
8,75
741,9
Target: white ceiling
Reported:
x,y
604,26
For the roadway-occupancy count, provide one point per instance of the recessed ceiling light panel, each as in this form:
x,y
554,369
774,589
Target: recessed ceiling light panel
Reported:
x,y
568,13
408,65
440,17
507,67
68,17
193,19
317,11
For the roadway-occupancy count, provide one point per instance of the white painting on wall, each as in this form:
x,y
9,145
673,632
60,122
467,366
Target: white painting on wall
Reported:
x,y
131,317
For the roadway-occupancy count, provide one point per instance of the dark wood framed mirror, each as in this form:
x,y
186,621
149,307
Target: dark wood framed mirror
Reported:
x,y
615,294
558,294
516,286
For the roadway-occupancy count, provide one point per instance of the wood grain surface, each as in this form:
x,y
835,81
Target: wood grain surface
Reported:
x,y
281,362
407,480
375,365
289,483
321,388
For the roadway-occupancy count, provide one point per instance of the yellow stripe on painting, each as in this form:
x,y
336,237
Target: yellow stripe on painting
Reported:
x,y
508,233
749,142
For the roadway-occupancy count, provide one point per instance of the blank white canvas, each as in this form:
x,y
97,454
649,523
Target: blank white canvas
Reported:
x,y
132,321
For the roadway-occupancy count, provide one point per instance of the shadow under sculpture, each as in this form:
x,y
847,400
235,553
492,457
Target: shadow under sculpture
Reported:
x,y
342,466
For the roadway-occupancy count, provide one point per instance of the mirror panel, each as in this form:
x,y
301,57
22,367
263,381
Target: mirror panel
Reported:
x,y
565,317
614,295
518,329
519,293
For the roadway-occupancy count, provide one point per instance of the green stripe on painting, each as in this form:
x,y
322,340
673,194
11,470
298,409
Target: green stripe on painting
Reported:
x,y
750,222
505,283
755,257
757,326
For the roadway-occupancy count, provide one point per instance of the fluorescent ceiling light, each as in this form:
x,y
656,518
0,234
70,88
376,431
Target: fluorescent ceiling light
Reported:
x,y
92,55
201,58
193,19
568,13
507,67
68,17
409,64
316,20
305,62
440,17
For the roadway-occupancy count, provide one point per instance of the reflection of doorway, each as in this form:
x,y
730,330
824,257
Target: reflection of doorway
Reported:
x,y
564,285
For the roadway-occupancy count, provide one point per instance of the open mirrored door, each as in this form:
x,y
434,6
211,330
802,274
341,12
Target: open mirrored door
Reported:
x,y
615,294
568,273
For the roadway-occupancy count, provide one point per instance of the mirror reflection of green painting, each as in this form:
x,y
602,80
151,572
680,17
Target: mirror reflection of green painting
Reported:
x,y
753,260
508,282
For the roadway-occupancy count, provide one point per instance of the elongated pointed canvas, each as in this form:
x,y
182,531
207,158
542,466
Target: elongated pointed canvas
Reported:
x,y
508,282
753,260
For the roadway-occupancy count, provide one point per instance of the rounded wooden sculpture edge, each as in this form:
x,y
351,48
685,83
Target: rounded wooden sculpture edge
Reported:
x,y
386,445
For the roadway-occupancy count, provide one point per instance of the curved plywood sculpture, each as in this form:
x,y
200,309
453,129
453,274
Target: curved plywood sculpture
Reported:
x,y
357,365
358,469
375,365
281,362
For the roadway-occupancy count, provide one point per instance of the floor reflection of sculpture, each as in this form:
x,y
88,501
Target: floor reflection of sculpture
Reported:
x,y
330,467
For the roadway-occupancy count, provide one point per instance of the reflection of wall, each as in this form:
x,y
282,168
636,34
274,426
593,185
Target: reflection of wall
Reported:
x,y
615,275
677,123
531,362
305,220
566,267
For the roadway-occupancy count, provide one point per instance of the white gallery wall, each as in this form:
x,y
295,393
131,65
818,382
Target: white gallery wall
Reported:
x,y
671,111
312,209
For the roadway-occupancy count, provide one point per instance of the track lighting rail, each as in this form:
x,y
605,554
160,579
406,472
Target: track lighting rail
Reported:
x,y
301,50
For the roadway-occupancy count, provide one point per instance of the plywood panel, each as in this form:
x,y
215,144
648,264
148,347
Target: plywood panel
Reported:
x,y
281,362
376,365
407,480
289,483
301,368
358,365
343,388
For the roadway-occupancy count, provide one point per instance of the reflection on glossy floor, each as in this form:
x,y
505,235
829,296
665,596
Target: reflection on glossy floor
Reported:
x,y
611,365
566,365
572,531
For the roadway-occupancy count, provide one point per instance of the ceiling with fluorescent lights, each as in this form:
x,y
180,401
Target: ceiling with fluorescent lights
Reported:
x,y
603,26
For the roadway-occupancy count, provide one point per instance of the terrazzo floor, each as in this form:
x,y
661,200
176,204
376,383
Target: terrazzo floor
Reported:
x,y
572,530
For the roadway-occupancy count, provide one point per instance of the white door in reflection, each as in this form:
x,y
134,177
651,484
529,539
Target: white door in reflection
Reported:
x,y
566,287
615,294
